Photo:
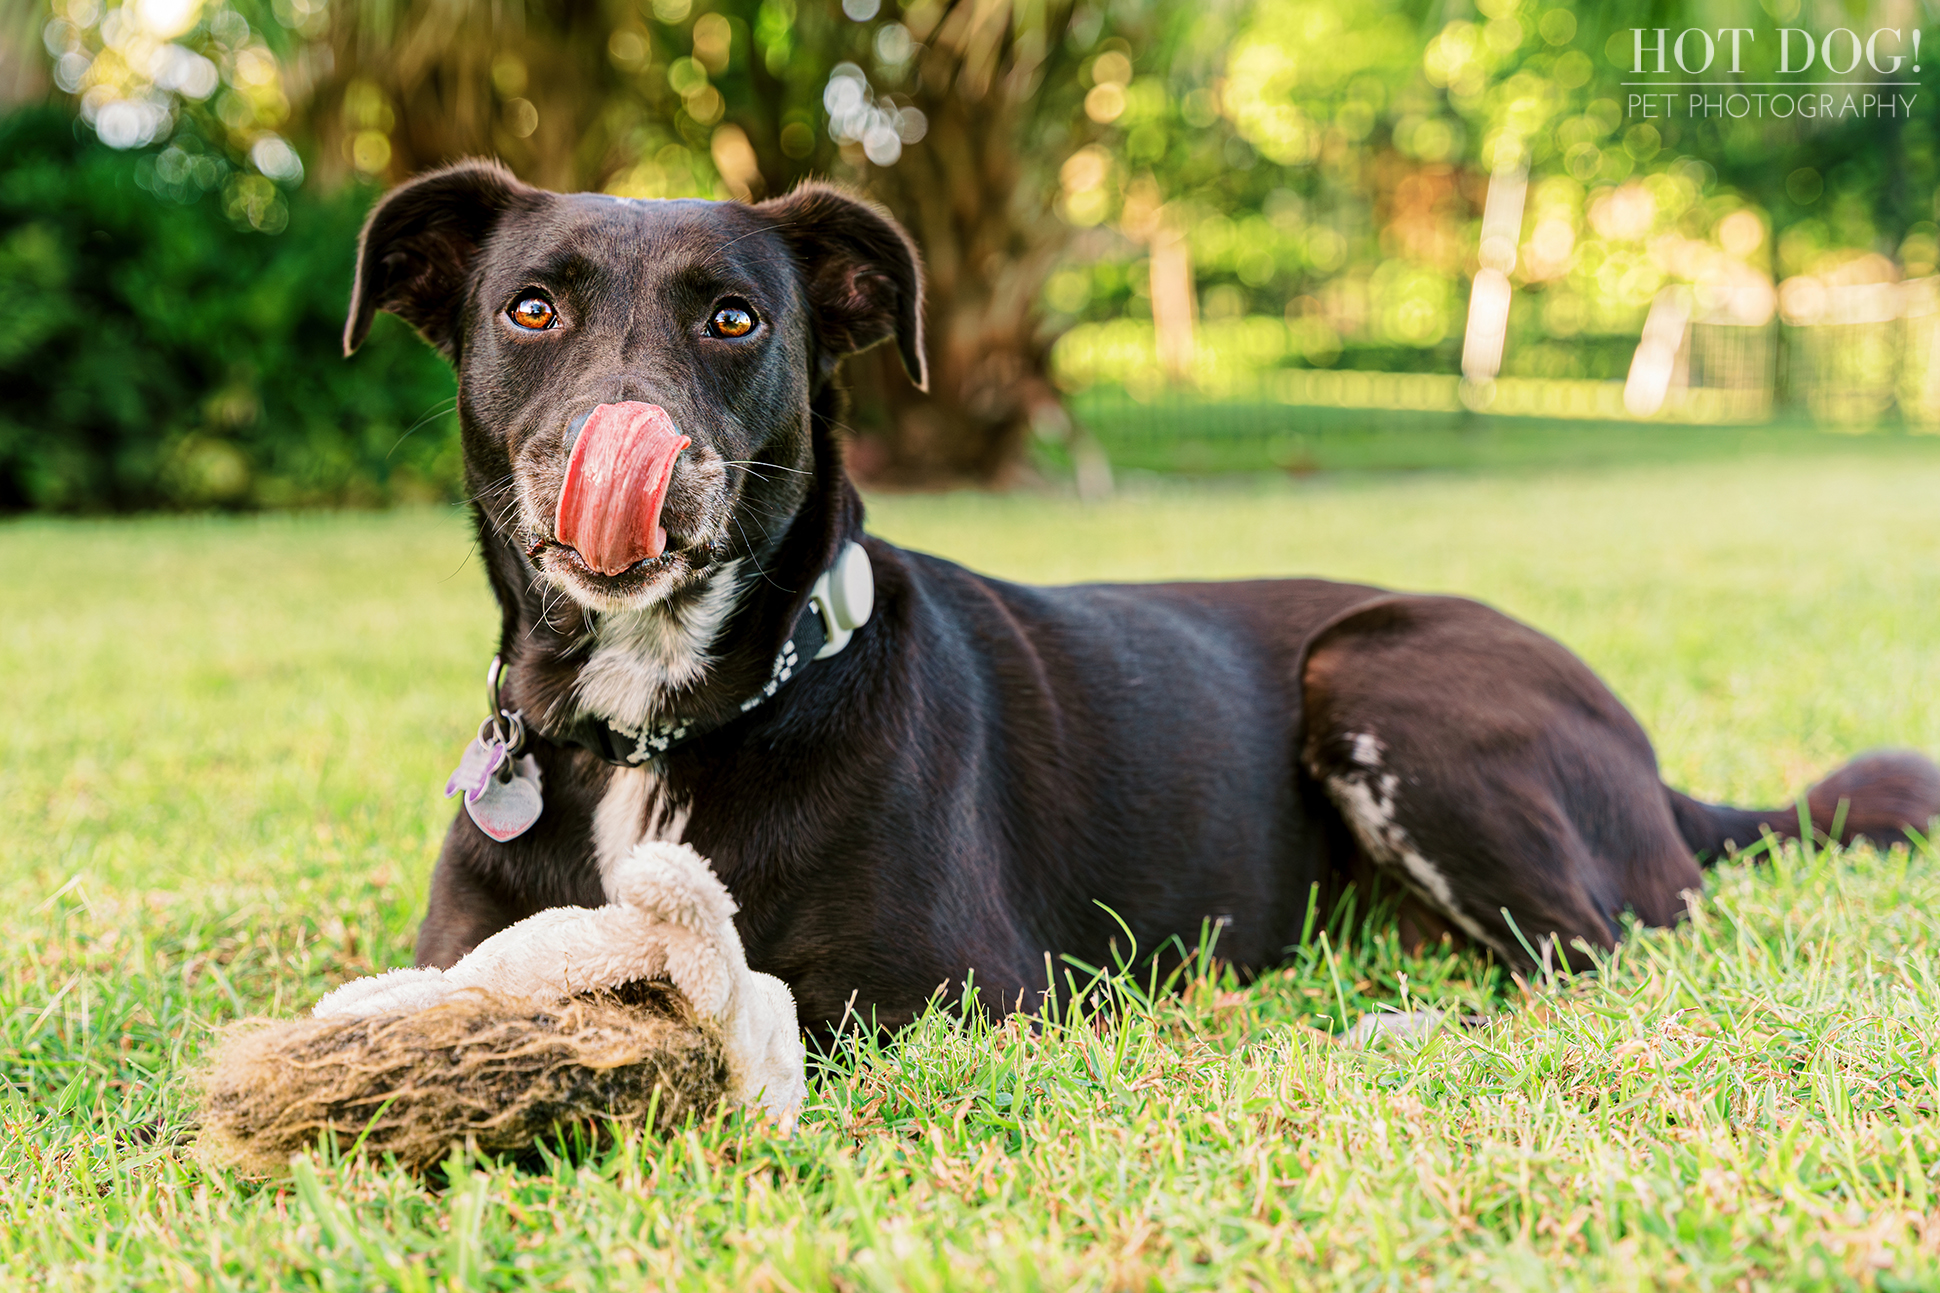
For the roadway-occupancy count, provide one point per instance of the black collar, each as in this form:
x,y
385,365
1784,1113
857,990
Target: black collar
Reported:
x,y
629,748
840,602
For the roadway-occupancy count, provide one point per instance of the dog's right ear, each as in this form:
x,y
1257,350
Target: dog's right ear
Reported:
x,y
417,251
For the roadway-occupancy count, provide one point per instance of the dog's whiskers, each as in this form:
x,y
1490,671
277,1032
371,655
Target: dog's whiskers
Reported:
x,y
833,423
752,466
492,501
546,596
503,484
759,569
439,409
472,552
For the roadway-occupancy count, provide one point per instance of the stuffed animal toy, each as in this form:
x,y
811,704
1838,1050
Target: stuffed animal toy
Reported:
x,y
640,1013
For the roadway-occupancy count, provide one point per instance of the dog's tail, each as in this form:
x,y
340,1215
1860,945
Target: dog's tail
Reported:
x,y
1879,796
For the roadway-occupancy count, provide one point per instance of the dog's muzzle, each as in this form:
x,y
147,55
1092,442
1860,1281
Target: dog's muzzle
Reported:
x,y
616,484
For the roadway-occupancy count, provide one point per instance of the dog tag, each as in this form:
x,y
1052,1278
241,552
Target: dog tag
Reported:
x,y
502,794
482,759
506,809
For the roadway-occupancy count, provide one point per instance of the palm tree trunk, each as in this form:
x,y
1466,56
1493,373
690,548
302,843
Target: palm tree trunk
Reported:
x,y
990,239
987,252
426,83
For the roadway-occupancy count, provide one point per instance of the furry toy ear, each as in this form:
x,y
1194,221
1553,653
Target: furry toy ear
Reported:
x,y
863,275
674,884
416,253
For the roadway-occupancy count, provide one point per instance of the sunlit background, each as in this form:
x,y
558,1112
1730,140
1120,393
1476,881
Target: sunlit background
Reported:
x,y
1151,227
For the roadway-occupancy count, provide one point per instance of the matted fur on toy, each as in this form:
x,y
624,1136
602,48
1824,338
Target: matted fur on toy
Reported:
x,y
642,1011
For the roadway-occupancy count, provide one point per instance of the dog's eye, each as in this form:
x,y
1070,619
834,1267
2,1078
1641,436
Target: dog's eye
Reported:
x,y
534,313
731,321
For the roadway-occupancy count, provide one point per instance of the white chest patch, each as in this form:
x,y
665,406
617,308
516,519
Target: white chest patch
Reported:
x,y
635,809
641,655
1366,797
638,657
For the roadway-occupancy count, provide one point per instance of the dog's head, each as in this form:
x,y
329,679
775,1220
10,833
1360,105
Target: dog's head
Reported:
x,y
635,378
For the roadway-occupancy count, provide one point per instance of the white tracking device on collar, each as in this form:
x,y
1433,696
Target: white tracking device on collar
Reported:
x,y
844,595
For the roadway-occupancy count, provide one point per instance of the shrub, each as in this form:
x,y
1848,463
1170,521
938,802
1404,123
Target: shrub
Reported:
x,y
156,354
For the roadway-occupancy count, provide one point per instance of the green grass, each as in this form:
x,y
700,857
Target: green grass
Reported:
x,y
219,781
1201,437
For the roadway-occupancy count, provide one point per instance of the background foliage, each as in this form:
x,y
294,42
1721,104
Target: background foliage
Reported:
x,y
1110,193
152,355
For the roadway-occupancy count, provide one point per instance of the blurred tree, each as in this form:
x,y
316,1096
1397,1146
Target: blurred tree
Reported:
x,y
1377,128
957,114
954,113
982,101
1306,175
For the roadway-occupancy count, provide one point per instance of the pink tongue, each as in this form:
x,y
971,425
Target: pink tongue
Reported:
x,y
616,481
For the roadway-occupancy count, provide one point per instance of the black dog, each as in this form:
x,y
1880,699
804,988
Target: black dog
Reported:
x,y
981,765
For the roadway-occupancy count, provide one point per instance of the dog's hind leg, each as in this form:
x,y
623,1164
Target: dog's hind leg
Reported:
x,y
1490,772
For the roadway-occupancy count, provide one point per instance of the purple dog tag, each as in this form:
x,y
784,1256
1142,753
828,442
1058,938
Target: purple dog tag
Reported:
x,y
474,771
506,809
503,809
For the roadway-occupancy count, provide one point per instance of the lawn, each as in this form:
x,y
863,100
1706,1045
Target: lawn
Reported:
x,y
1180,434
220,781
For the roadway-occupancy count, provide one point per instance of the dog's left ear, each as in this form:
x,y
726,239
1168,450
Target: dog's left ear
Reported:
x,y
861,271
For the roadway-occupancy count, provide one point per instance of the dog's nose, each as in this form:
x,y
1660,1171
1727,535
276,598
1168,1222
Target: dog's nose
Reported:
x,y
573,428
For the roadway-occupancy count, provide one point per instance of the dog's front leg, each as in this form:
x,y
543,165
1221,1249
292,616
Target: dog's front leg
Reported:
x,y
466,908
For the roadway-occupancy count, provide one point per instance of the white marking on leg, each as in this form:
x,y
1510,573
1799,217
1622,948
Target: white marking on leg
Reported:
x,y
635,809
1367,801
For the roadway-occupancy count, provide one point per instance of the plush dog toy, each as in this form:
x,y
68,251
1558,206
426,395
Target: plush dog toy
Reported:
x,y
639,1013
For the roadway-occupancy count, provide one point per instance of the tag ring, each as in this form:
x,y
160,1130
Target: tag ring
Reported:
x,y
512,732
